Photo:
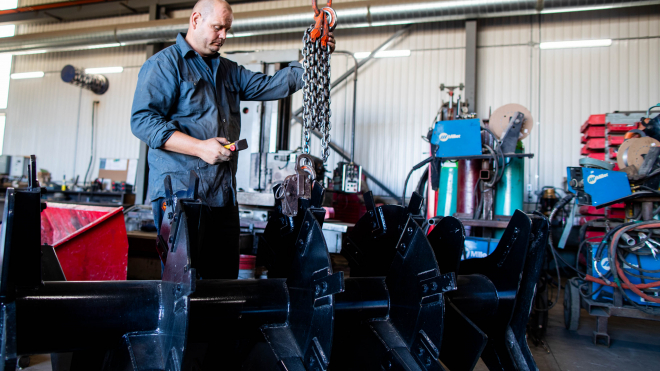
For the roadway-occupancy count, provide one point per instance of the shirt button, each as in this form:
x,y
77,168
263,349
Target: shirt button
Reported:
x,y
223,120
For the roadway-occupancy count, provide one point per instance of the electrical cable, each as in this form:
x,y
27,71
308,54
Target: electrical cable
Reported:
x,y
405,185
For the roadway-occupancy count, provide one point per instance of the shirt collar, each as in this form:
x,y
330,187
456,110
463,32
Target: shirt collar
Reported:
x,y
185,47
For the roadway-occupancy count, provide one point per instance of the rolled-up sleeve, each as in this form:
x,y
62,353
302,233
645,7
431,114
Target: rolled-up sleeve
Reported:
x,y
258,86
156,93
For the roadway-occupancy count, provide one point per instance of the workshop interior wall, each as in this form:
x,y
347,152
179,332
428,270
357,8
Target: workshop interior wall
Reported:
x,y
397,97
567,85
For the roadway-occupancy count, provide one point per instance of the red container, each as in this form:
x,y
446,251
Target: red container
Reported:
x,y
598,155
90,241
613,152
581,220
593,120
596,143
615,140
595,132
583,139
616,213
590,234
591,210
621,128
246,265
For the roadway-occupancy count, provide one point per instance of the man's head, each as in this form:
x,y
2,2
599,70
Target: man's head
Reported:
x,y
209,23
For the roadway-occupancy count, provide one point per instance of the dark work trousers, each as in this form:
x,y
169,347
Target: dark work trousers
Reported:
x,y
218,252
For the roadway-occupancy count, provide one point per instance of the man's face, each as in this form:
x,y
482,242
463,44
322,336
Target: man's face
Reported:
x,y
211,31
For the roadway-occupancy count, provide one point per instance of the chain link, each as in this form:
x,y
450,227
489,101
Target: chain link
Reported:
x,y
316,92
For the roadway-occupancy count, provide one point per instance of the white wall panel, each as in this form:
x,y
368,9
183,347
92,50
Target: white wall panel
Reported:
x,y
27,28
43,114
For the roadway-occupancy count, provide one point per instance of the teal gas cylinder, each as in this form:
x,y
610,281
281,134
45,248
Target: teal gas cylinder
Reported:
x,y
510,189
448,189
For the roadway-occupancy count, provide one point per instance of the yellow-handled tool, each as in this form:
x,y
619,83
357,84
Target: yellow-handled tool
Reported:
x,y
238,145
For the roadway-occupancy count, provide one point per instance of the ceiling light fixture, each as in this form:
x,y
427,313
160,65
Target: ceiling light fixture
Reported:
x,y
91,71
576,44
27,75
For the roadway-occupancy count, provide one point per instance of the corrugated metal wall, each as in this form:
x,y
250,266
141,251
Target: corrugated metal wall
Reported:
x,y
43,115
568,85
397,97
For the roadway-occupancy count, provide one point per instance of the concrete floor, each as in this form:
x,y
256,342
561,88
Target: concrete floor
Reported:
x,y
635,346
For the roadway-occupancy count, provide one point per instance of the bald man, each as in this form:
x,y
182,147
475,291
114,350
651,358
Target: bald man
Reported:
x,y
186,107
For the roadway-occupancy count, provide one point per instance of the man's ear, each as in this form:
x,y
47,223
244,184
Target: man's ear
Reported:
x,y
196,19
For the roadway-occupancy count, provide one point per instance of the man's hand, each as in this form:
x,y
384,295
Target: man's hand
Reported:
x,y
331,42
212,150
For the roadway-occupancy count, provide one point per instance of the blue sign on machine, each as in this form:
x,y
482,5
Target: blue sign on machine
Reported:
x,y
605,185
457,138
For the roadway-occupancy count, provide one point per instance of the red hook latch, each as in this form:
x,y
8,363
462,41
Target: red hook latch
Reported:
x,y
326,20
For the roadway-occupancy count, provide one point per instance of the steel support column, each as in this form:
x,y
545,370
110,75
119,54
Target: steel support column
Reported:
x,y
471,64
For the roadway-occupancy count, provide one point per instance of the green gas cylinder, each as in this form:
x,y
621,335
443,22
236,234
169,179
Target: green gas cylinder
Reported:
x,y
510,189
448,189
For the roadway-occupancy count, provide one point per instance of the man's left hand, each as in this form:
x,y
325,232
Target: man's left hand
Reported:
x,y
331,42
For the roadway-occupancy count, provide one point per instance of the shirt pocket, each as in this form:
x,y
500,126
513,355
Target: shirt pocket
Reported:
x,y
232,94
192,96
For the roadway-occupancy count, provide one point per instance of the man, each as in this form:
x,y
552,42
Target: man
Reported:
x,y
186,107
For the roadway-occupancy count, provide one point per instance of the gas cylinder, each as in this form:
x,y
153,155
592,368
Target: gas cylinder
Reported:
x,y
510,188
448,189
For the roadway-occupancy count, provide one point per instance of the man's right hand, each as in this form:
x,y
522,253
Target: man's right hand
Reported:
x,y
212,151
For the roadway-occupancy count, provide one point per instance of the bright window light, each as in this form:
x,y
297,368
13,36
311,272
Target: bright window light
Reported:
x,y
27,75
5,71
2,131
91,71
576,44
8,4
7,30
384,54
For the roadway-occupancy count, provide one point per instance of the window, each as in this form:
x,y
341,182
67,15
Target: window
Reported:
x,y
2,131
5,59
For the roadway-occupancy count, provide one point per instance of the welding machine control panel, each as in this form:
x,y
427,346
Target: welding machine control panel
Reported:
x,y
457,138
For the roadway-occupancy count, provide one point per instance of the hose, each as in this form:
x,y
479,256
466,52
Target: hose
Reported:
x,y
405,185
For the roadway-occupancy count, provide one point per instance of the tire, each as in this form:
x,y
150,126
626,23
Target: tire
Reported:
x,y
571,306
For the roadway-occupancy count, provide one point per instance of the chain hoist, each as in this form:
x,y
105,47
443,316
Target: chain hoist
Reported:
x,y
316,77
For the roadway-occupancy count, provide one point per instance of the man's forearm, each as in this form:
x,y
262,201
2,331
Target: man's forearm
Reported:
x,y
182,143
211,150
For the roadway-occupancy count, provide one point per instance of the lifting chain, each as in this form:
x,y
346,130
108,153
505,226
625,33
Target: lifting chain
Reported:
x,y
316,78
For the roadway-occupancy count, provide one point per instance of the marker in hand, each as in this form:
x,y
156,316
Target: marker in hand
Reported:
x,y
238,145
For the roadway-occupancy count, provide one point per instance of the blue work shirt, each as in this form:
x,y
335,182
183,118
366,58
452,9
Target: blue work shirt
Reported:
x,y
178,91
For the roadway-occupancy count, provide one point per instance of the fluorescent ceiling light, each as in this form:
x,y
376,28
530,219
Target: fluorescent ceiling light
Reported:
x,y
104,70
384,54
100,46
576,44
40,51
27,75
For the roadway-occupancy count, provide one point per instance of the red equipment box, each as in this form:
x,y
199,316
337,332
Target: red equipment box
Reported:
x,y
595,132
596,143
591,210
75,231
621,128
593,120
615,140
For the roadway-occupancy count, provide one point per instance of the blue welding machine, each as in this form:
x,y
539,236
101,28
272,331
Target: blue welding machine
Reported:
x,y
596,187
602,267
457,138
